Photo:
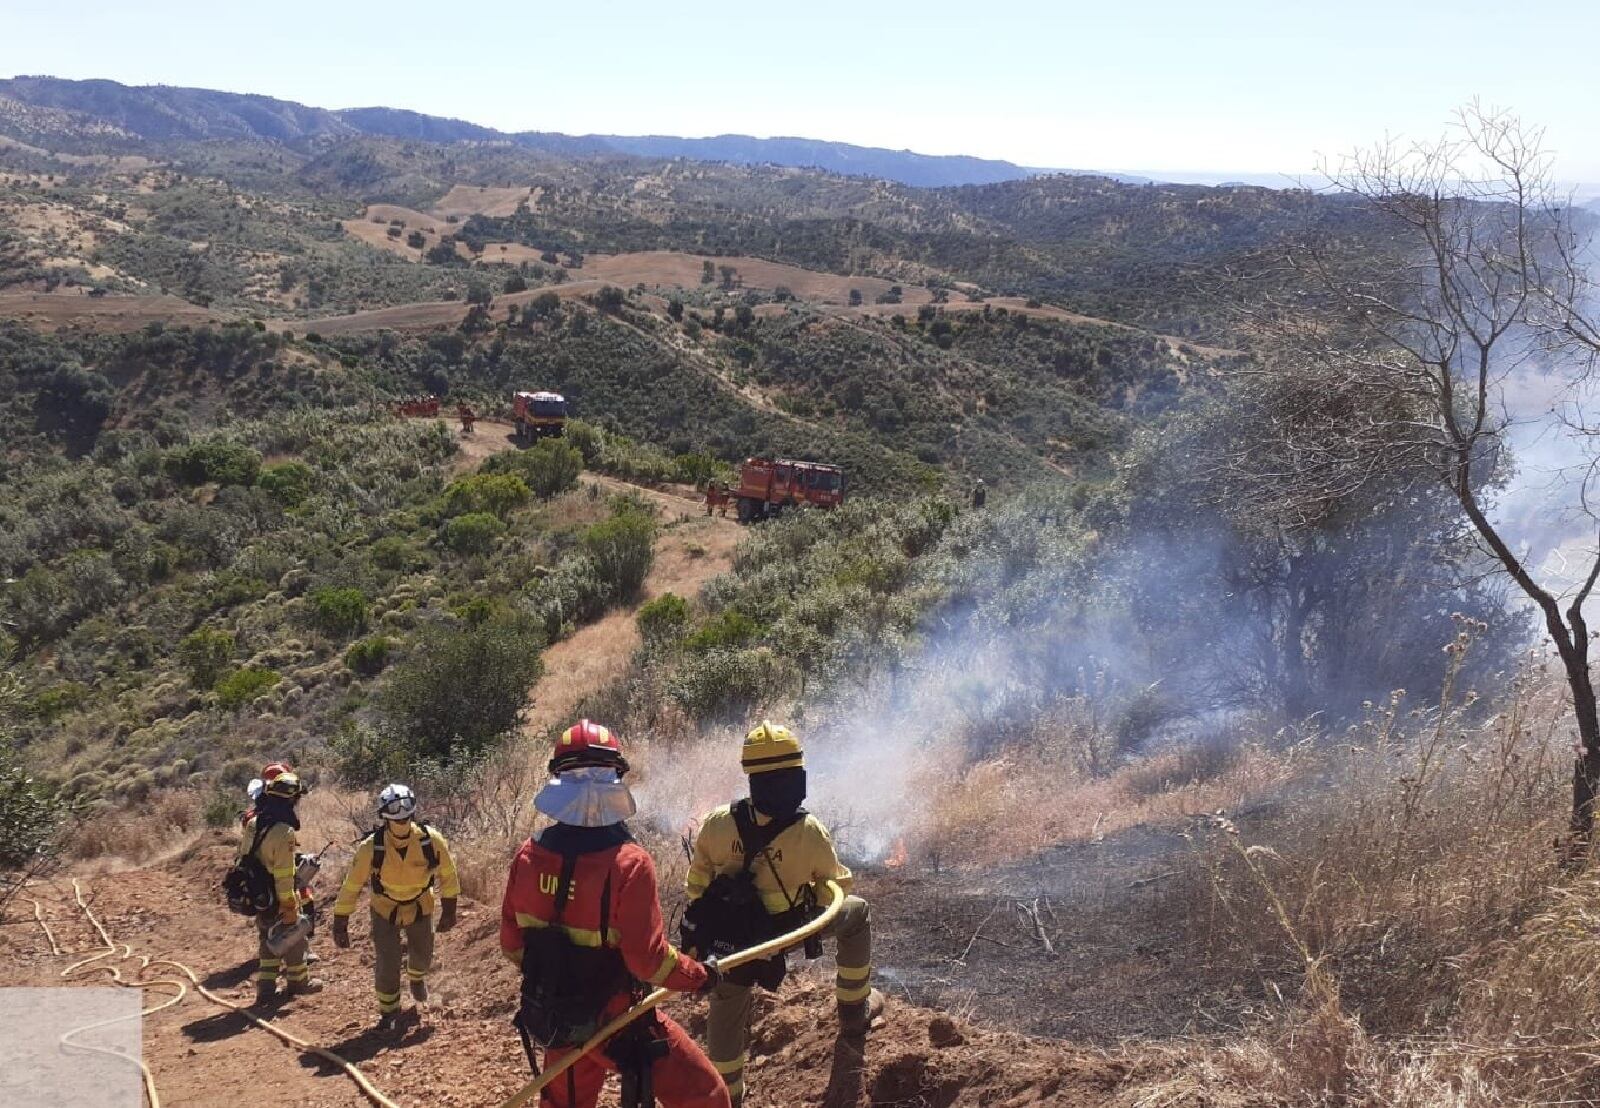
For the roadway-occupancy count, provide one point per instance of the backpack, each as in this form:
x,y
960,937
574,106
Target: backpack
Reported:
x,y
247,885
730,915
566,986
429,854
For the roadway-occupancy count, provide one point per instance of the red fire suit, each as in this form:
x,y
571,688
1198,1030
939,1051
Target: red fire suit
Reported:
x,y
684,1077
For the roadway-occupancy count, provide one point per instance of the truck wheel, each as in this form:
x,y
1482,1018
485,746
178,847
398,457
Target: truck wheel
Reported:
x,y
747,510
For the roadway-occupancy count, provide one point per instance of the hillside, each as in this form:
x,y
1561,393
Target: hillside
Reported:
x,y
1130,252
48,108
1200,762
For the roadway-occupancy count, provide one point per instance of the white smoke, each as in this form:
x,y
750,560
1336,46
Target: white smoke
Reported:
x,y
1549,509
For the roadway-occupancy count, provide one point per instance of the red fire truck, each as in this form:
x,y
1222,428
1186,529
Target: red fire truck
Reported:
x,y
538,415
768,486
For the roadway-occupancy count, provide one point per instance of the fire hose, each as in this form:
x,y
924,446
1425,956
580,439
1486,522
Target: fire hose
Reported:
x,y
87,965
754,954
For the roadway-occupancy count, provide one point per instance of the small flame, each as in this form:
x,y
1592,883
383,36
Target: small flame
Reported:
x,y
897,854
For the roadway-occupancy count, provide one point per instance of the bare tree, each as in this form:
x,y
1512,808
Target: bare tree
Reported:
x,y
1474,287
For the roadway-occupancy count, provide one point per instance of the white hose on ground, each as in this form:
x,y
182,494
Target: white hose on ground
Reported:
x,y
368,1089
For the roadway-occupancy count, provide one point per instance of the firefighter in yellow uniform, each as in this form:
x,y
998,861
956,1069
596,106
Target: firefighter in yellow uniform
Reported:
x,y
790,857
271,834
401,860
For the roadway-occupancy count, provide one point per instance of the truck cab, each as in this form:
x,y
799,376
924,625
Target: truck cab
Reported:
x,y
538,415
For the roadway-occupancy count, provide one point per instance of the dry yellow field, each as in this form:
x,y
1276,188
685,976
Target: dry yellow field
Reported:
x,y
465,200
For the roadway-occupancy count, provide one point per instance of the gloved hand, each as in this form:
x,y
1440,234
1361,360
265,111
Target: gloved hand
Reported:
x,y
341,932
289,912
713,976
447,914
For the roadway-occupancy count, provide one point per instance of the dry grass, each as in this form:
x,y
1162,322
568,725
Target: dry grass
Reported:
x,y
1443,956
142,832
465,200
50,311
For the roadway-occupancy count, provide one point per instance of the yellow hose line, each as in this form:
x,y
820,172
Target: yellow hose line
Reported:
x,y
67,1040
370,1090
754,954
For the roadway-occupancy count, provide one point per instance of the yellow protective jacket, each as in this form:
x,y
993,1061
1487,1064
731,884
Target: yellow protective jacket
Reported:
x,y
276,853
405,876
801,857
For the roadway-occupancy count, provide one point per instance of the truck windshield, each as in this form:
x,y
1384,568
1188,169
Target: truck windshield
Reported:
x,y
827,482
549,407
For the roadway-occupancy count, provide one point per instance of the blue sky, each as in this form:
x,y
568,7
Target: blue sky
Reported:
x,y
1224,86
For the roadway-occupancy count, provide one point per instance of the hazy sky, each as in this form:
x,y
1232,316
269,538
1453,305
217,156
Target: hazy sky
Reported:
x,y
1221,85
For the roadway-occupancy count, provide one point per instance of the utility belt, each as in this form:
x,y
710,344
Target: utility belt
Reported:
x,y
397,906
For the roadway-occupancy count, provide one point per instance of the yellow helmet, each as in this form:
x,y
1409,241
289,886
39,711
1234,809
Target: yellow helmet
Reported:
x,y
771,746
286,786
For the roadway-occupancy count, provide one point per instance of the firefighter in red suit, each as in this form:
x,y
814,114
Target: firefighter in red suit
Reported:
x,y
582,918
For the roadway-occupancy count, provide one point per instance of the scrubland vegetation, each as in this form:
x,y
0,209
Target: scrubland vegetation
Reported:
x,y
1238,594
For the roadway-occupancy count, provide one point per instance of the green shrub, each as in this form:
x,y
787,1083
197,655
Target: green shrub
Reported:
x,y
221,809
662,621
368,656
205,654
225,463
623,549
473,533
243,685
550,468
728,628
586,437
495,493
569,595
477,609
339,612
460,687
58,700
31,813
290,483
392,553
366,754
697,469
727,682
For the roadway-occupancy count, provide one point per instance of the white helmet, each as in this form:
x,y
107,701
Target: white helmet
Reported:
x,y
253,789
397,802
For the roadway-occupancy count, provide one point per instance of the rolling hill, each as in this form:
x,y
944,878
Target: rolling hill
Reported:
x,y
111,111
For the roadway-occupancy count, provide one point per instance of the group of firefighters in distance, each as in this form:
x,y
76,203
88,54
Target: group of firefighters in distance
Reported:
x,y
581,916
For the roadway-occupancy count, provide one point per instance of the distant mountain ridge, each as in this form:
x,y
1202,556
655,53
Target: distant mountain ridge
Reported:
x,y
108,109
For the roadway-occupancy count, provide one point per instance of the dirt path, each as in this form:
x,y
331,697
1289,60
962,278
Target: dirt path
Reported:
x,y
691,549
461,1052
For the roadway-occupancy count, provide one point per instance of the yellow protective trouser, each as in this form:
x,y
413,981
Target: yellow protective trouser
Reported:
x,y
291,962
417,956
728,1022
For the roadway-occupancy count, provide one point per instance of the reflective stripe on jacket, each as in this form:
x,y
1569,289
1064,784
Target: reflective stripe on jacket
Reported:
x,y
802,855
634,928
405,875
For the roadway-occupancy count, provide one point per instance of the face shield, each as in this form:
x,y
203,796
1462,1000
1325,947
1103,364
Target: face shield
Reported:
x,y
589,796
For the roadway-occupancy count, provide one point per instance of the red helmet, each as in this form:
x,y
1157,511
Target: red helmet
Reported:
x,y
275,769
588,744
